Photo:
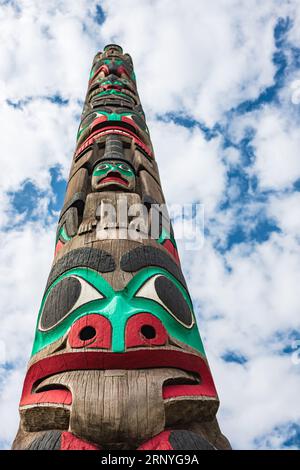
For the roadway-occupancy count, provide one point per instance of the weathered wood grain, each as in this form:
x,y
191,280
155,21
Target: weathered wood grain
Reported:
x,y
143,385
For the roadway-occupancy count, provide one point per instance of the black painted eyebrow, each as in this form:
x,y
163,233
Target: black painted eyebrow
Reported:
x,y
99,260
147,256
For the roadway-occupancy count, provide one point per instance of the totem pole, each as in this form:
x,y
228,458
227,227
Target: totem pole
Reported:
x,y
117,359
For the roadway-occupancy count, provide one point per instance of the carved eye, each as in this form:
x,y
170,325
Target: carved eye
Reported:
x,y
163,291
65,297
102,166
88,120
139,121
124,167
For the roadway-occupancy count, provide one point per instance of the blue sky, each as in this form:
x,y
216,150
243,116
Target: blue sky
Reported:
x,y
222,104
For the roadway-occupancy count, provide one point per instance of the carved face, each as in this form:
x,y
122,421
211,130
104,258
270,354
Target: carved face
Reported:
x,y
100,120
105,67
111,174
87,331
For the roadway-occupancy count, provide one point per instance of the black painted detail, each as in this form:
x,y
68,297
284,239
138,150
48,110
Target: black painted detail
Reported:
x,y
148,331
187,440
88,119
77,201
60,301
146,256
172,298
88,332
50,440
98,260
70,220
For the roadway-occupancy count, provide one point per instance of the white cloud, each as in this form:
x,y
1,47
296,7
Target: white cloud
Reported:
x,y
25,258
10,397
42,40
286,210
277,145
258,397
276,142
34,139
202,57
179,151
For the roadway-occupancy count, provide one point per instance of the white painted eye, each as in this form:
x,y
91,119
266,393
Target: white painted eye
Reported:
x,y
66,296
124,167
102,166
164,292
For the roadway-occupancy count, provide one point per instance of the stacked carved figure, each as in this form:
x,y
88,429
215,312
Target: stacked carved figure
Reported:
x,y
117,359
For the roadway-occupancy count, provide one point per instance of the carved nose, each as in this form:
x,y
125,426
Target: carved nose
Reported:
x,y
91,331
145,329
112,77
113,69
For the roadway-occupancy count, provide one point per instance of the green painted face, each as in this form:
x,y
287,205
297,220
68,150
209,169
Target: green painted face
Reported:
x,y
147,292
113,174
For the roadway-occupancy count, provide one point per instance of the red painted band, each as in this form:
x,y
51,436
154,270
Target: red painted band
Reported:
x,y
112,130
58,246
142,359
71,442
159,442
168,245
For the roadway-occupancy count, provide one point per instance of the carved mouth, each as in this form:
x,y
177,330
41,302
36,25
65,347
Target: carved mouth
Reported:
x,y
113,178
99,124
199,383
112,130
174,387
59,397
64,395
105,87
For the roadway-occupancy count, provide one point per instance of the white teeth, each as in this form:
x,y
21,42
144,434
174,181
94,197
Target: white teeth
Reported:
x,y
111,131
114,131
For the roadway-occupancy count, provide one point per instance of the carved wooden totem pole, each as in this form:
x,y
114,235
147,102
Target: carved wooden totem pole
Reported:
x,y
117,360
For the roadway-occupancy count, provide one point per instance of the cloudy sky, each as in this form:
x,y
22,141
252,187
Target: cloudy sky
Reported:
x,y
220,85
